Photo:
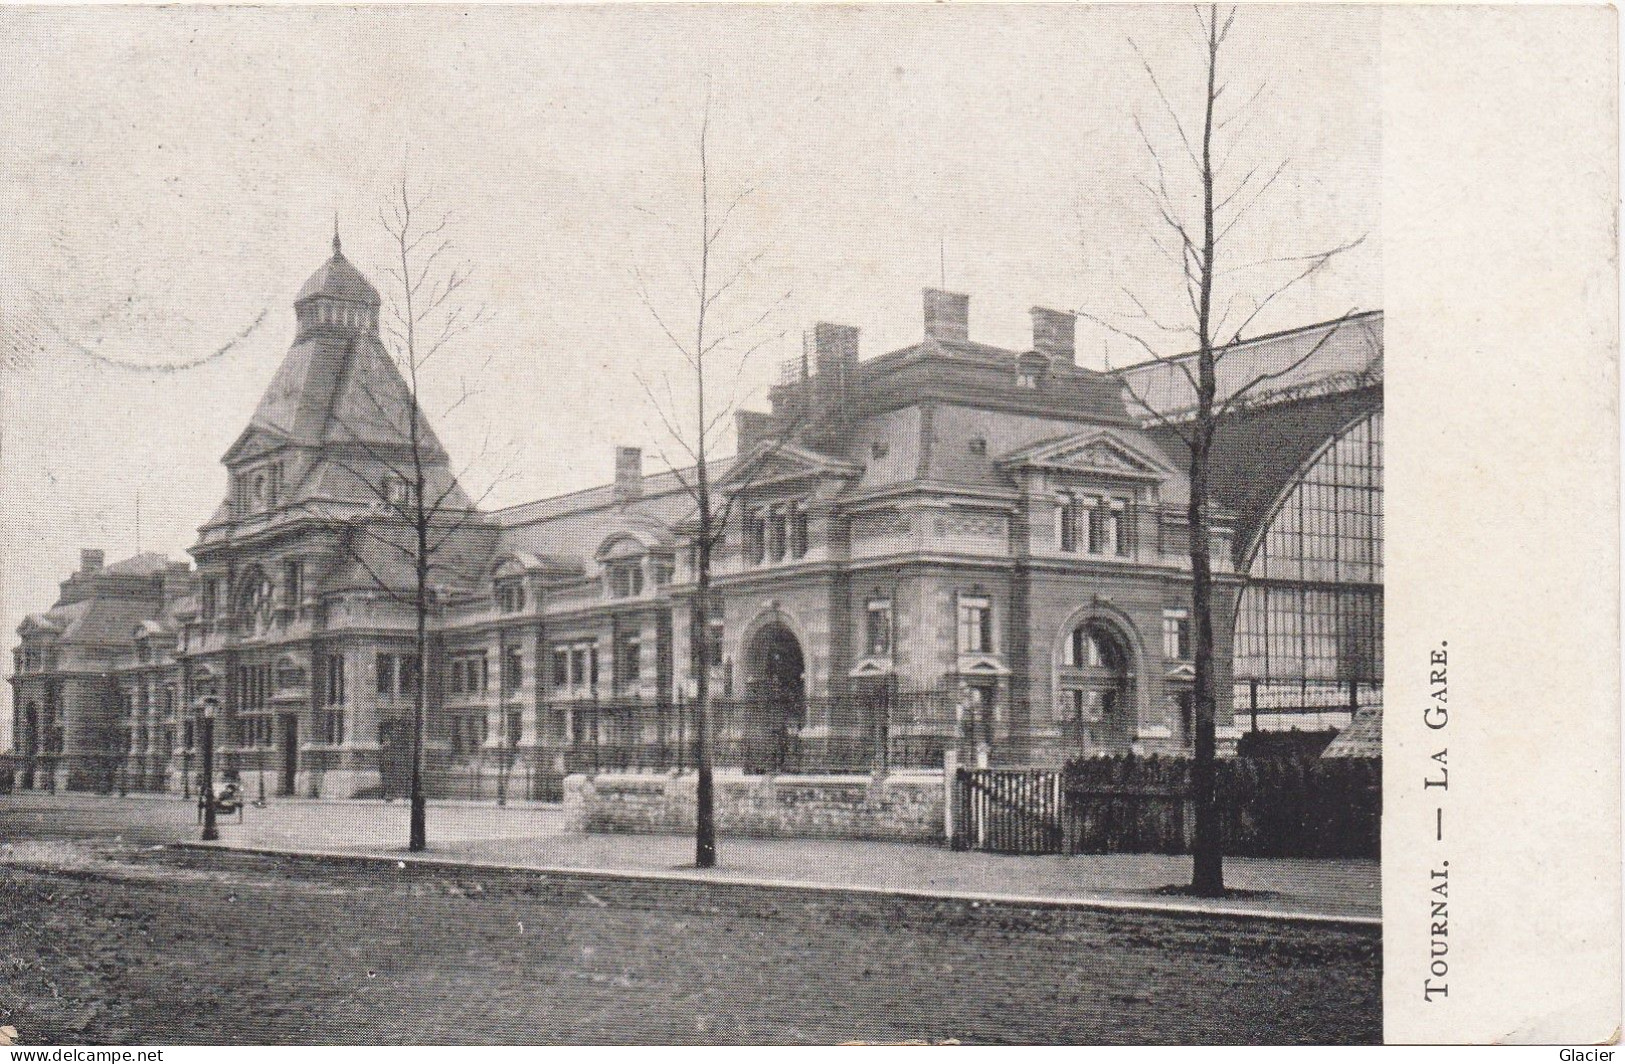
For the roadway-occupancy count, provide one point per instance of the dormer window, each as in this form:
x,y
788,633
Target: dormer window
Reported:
x,y
510,596
400,492
625,579
978,445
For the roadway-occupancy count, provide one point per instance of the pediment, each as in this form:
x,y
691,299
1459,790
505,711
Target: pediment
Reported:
x,y
775,462
254,442
1097,451
1105,457
35,624
981,665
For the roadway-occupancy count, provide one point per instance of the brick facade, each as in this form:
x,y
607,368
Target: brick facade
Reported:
x,y
987,538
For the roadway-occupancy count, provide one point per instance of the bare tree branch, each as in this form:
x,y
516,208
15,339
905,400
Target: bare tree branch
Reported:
x,y
1245,390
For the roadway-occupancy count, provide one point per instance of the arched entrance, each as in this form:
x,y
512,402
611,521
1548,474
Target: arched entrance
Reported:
x,y
776,699
1097,685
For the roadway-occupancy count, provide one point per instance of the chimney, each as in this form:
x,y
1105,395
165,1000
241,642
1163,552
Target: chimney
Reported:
x,y
1055,334
947,315
90,561
833,351
628,474
752,427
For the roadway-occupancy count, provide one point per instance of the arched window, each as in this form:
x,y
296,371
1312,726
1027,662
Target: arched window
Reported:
x,y
1089,647
1095,687
254,598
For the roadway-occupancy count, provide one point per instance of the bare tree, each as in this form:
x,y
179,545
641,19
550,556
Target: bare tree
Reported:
x,y
717,338
1223,299
419,515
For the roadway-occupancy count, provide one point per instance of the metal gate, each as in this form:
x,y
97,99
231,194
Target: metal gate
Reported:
x,y
1007,811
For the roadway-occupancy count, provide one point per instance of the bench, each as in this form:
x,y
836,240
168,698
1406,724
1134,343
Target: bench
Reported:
x,y
226,802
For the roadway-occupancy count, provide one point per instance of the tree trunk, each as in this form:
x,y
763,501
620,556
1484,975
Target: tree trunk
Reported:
x,y
705,828
417,839
1207,874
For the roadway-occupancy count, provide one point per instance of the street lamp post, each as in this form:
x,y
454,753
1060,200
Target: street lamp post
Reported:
x,y
206,788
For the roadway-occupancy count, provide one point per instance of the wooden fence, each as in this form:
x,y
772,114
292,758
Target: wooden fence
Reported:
x,y
1268,808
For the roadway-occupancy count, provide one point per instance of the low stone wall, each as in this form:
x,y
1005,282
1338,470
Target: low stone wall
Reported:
x,y
905,807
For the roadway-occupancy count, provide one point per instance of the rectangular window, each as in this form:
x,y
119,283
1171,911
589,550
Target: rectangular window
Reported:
x,y
399,491
625,579
798,530
211,598
293,581
513,670
561,669
1097,527
663,572
775,533
406,671
1176,635
335,681
975,625
386,674
1066,516
578,666
628,659
877,633
755,537
510,596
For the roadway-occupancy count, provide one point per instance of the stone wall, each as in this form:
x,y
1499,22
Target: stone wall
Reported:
x,y
905,807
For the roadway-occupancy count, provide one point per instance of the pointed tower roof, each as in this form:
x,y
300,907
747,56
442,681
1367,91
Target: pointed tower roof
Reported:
x,y
338,279
337,383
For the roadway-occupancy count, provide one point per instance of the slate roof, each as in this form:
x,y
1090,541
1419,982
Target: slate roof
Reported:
x,y
144,564
1339,355
330,389
338,279
102,621
1260,447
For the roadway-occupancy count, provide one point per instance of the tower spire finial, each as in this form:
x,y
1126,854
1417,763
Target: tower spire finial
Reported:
x,y
337,252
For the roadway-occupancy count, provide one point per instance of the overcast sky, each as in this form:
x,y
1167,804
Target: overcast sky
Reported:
x,y
171,178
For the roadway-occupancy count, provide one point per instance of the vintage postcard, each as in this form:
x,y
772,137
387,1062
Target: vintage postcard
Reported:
x,y
789,524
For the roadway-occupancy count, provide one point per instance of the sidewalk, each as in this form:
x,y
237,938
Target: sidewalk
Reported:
x,y
533,837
